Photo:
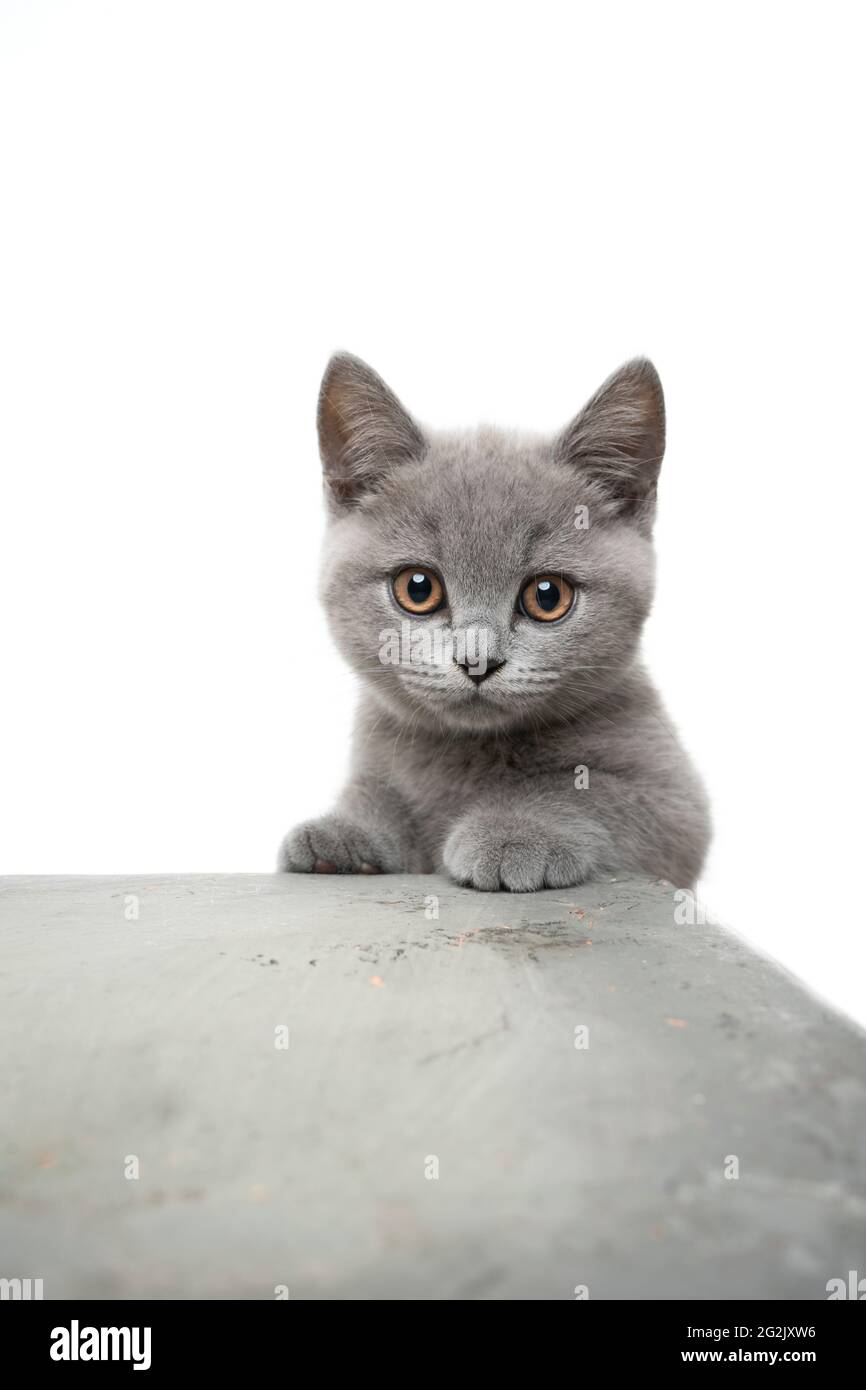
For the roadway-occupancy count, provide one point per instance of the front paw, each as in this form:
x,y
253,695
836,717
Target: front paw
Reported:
x,y
497,850
335,845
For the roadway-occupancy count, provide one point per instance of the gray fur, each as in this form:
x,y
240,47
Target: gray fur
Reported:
x,y
479,779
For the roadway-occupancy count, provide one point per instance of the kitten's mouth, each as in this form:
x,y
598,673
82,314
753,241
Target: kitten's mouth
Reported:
x,y
457,700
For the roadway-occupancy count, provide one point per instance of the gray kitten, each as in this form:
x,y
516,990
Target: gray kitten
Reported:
x,y
490,592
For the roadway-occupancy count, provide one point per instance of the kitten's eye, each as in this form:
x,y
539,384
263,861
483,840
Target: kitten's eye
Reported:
x,y
418,590
546,598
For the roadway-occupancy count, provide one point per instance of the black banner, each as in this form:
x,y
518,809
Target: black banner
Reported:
x,y
160,1338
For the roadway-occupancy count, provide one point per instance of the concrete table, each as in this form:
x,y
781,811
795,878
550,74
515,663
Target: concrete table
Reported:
x,y
261,1086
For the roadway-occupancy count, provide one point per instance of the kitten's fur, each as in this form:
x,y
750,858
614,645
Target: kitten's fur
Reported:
x,y
474,778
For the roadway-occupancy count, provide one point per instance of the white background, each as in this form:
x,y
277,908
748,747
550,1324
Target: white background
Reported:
x,y
495,204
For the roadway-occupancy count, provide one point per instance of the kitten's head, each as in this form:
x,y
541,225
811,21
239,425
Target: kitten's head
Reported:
x,y
482,580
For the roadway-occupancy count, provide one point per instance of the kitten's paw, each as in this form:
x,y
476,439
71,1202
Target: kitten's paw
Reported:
x,y
490,852
334,845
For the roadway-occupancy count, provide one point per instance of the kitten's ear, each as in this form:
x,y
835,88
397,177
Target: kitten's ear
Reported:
x,y
364,431
618,439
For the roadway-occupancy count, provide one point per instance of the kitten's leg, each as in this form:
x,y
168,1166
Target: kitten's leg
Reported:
x,y
500,847
553,836
369,832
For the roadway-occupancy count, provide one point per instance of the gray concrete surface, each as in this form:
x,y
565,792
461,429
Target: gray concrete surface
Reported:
x,y
139,1020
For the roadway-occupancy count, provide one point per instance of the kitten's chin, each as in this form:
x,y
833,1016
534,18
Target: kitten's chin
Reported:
x,y
478,716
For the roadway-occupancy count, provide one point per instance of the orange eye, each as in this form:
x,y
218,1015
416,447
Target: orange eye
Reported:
x,y
418,590
546,598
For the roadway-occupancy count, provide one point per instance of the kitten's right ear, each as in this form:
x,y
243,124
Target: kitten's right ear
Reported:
x,y
618,439
364,431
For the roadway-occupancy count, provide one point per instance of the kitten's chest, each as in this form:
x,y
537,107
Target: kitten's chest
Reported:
x,y
441,778
459,770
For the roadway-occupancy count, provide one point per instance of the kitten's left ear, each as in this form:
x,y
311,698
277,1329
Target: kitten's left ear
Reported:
x,y
618,440
364,431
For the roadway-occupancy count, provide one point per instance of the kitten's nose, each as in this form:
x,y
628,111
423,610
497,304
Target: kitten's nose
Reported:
x,y
478,673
